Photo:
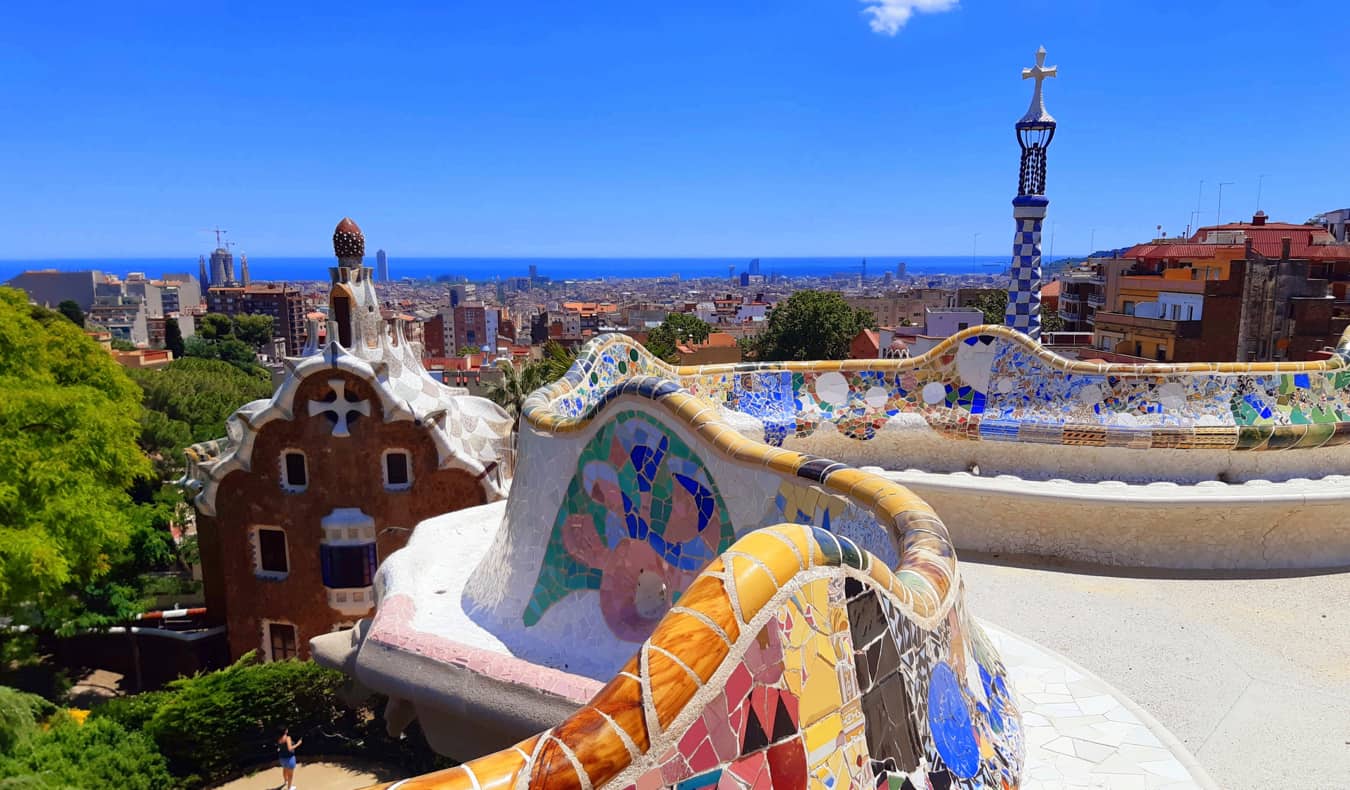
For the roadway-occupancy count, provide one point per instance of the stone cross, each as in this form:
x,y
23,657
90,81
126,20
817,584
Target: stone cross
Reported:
x,y
1039,73
340,406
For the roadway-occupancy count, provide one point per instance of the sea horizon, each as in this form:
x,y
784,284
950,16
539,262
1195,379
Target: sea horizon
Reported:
x,y
480,269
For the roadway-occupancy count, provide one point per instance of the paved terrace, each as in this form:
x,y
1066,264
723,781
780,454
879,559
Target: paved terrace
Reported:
x,y
1251,671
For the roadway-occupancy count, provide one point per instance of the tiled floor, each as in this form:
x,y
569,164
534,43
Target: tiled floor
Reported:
x,y
1080,733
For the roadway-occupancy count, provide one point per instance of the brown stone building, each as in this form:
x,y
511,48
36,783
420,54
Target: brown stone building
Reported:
x,y
311,489
1247,292
284,303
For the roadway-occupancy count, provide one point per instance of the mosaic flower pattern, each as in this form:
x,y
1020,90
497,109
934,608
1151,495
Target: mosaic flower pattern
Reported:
x,y
640,518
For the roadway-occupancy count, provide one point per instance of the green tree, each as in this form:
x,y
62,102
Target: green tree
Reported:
x,y
71,310
173,337
214,326
516,383
189,401
118,344
227,349
994,305
69,417
19,716
98,753
677,328
811,325
253,330
210,724
557,360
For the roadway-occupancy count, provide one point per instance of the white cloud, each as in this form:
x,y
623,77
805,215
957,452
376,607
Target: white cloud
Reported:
x,y
888,16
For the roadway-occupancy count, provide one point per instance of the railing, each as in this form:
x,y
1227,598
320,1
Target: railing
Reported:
x,y
1178,328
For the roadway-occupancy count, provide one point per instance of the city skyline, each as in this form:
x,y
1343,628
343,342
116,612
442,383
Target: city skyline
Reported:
x,y
835,129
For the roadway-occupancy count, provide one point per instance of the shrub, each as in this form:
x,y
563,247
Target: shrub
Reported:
x,y
99,753
211,724
19,716
133,712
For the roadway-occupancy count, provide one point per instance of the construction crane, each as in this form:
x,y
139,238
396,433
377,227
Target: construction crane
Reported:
x,y
218,231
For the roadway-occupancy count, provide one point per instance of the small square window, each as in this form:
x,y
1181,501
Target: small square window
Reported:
x,y
294,472
397,470
281,640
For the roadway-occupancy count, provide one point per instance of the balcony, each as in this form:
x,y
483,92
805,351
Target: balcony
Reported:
x,y
1097,300
355,601
1159,284
1120,322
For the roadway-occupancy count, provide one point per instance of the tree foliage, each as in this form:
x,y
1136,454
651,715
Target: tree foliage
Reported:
x,y
516,382
811,325
69,417
20,713
189,400
215,326
994,305
557,360
96,753
209,725
71,310
677,328
254,330
228,349
173,337
234,340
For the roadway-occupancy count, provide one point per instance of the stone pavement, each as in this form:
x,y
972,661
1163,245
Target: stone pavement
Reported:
x,y
1250,671
1080,733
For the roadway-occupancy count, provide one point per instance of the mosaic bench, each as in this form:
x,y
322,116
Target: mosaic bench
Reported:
x,y
705,607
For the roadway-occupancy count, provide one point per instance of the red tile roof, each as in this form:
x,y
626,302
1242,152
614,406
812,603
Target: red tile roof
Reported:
x,y
1305,241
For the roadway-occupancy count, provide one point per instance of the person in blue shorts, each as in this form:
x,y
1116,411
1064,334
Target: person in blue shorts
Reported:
x,y
286,755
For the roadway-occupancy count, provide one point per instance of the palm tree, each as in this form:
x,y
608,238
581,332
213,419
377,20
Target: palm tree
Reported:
x,y
515,385
557,360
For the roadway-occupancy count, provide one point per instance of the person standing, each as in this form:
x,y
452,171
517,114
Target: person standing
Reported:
x,y
286,755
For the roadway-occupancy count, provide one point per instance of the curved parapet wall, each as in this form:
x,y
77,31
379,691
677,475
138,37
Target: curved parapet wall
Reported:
x,y
795,659
991,383
1178,454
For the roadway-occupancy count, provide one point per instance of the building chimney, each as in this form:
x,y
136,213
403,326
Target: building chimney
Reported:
x,y
1284,248
1259,218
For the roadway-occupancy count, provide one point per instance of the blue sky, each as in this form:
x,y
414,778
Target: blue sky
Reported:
x,y
698,128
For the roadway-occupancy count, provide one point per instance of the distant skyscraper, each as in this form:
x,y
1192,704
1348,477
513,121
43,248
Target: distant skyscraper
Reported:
x,y
243,270
534,272
900,269
222,267
381,266
202,276
754,266
1034,132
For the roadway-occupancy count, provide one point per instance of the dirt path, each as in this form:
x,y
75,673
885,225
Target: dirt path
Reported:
x,y
318,776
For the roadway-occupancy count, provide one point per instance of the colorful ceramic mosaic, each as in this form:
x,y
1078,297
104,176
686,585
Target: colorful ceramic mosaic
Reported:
x,y
640,518
794,660
992,384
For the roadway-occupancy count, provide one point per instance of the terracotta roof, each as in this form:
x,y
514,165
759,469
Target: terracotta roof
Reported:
x,y
1050,289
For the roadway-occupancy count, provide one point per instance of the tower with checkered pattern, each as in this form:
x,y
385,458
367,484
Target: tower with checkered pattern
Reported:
x,y
1034,132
